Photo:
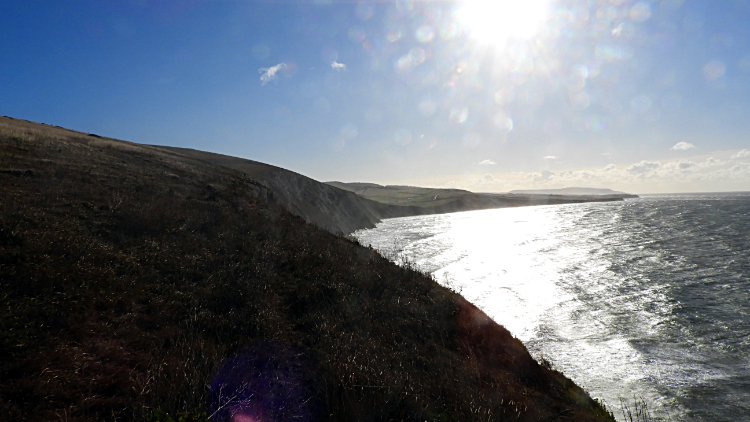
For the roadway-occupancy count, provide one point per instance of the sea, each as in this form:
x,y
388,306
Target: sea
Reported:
x,y
640,302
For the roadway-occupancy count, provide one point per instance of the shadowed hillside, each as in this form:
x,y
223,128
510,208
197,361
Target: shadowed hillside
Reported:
x,y
336,210
134,279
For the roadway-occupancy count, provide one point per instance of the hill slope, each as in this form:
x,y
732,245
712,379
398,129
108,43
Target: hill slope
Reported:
x,y
336,210
132,278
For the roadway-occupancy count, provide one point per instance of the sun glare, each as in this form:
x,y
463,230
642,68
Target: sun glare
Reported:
x,y
496,21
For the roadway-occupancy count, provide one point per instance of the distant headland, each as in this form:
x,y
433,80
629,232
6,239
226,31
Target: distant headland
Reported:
x,y
574,191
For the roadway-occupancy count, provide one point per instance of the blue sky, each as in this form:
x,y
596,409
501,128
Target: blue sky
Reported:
x,y
644,96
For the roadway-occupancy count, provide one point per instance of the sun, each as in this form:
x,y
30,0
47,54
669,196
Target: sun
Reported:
x,y
497,21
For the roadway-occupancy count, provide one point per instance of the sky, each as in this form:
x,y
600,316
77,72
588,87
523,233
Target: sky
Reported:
x,y
490,96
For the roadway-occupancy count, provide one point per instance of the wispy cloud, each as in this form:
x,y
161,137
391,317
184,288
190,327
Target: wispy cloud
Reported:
x,y
337,66
550,157
269,73
682,146
745,153
487,163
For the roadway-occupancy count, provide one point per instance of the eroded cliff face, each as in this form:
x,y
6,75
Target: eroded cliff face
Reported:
x,y
334,209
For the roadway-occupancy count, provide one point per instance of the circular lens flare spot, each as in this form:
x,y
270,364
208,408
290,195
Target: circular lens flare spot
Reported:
x,y
640,12
402,136
427,107
714,70
503,122
425,34
356,34
459,115
393,35
241,417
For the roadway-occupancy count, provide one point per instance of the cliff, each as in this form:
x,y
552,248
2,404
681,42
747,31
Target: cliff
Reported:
x,y
333,209
134,279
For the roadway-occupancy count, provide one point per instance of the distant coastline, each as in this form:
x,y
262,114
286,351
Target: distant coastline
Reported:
x,y
574,191
411,200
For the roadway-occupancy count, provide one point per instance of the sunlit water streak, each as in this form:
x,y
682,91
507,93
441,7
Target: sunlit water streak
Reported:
x,y
648,297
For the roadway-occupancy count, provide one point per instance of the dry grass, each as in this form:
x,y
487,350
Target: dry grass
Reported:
x,y
129,276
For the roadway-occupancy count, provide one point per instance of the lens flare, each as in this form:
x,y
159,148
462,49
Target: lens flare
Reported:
x,y
496,21
270,381
458,115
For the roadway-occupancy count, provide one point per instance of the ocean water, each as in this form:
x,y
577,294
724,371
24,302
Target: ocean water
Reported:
x,y
643,299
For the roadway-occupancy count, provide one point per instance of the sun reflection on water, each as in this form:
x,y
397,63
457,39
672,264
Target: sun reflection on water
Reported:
x,y
548,279
489,260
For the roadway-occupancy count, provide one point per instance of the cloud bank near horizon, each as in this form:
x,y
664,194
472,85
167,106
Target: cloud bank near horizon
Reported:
x,y
721,172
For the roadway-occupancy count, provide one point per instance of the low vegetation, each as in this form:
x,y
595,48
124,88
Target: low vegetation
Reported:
x,y
404,195
140,285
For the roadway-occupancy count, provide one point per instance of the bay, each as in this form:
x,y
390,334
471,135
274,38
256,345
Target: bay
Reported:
x,y
646,299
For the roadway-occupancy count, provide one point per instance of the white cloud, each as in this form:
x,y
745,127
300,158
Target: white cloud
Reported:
x,y
546,174
682,146
550,157
487,163
644,167
485,182
337,66
745,153
269,73
712,162
684,165
694,174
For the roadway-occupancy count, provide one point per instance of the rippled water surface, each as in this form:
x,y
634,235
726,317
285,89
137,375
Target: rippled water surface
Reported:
x,y
649,297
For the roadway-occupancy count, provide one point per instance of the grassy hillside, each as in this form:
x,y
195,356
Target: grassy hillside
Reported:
x,y
134,279
403,195
336,210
